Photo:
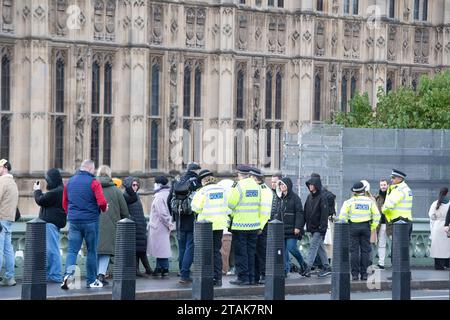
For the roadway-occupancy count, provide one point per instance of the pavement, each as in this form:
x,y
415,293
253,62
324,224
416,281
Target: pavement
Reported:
x,y
169,288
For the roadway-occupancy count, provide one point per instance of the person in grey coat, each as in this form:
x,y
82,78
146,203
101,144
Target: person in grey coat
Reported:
x,y
136,211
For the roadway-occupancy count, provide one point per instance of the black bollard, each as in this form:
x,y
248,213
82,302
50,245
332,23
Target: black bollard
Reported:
x,y
203,272
275,278
401,272
340,278
124,278
34,285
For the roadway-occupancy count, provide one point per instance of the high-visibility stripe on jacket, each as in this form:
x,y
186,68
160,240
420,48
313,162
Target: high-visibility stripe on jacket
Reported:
x,y
398,203
244,199
265,207
210,203
360,208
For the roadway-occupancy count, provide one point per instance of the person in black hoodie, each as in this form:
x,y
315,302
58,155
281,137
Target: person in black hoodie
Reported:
x,y
136,211
185,224
288,208
316,218
52,212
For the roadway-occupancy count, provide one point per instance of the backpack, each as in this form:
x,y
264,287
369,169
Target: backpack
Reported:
x,y
182,197
330,198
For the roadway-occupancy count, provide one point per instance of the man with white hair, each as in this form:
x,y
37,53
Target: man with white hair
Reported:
x,y
83,200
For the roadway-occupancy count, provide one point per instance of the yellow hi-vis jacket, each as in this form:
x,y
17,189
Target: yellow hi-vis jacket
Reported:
x,y
398,203
360,208
210,203
244,199
265,207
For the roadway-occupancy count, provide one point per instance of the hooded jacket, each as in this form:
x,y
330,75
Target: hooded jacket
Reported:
x,y
316,208
136,214
51,210
289,209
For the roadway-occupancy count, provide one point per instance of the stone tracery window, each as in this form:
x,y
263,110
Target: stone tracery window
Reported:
x,y
58,112
317,95
192,111
274,122
154,120
102,108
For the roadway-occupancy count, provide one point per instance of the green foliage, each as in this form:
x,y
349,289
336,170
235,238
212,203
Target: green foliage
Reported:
x,y
428,108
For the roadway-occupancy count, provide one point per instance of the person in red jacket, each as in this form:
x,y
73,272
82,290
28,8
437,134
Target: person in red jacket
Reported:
x,y
83,200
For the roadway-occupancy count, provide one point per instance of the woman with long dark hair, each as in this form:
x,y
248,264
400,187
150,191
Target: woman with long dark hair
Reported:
x,y
440,243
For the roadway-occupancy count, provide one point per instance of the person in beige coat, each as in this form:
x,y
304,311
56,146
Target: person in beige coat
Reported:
x,y
440,244
9,197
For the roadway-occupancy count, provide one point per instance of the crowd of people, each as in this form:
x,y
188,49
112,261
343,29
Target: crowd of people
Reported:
x,y
92,202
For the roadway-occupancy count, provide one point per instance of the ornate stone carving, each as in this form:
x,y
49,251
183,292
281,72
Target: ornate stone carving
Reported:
x,y
104,20
421,45
157,24
256,118
392,43
190,27
351,39
242,26
272,34
200,28
307,36
281,35
319,47
80,117
60,23
333,86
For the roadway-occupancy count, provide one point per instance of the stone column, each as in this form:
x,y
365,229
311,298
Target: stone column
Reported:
x,y
226,107
138,103
306,102
39,105
446,55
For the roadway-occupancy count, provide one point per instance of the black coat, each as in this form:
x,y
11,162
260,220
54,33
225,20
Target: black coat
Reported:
x,y
289,209
316,209
51,210
185,222
136,214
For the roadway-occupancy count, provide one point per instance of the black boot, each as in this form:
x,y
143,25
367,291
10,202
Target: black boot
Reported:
x,y
156,272
148,269
164,273
101,278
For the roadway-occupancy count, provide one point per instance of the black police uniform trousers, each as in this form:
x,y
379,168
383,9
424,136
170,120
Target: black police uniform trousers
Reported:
x,y
260,262
245,253
217,245
360,248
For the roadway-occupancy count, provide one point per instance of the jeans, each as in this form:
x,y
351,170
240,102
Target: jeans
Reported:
x,y
77,232
316,247
162,263
245,253
53,253
186,252
6,249
103,263
291,247
217,244
360,248
382,244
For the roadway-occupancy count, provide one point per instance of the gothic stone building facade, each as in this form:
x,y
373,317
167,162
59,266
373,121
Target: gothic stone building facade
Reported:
x,y
113,79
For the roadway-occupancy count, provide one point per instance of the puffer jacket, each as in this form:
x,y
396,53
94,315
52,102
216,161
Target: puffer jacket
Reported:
x,y
136,213
289,209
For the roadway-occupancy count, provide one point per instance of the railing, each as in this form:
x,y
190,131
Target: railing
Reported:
x,y
419,246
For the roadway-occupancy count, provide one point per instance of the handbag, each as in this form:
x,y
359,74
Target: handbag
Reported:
x,y
448,234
